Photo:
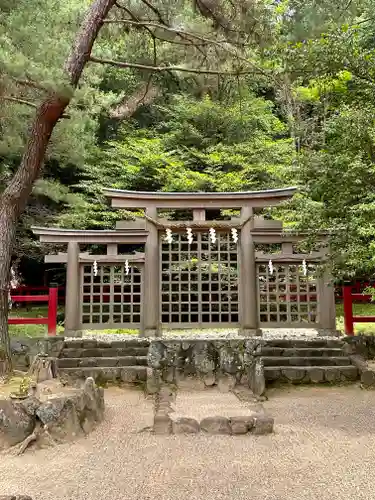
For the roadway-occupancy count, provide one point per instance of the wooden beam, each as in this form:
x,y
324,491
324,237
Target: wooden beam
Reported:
x,y
267,224
198,200
269,237
138,223
198,225
288,257
61,258
199,203
199,214
57,235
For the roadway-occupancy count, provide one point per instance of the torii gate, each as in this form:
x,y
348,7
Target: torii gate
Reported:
x,y
176,274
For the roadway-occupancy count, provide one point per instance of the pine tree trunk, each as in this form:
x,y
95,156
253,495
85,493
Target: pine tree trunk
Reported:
x,y
7,236
14,198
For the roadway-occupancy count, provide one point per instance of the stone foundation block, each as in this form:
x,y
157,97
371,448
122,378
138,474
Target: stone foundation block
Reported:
x,y
216,425
226,383
184,425
162,424
209,379
241,425
316,375
293,375
15,497
153,381
262,425
368,379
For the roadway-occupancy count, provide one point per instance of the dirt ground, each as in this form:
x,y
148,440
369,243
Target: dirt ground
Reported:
x,y
323,448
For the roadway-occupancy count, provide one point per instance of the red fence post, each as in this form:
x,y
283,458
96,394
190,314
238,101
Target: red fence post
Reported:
x,y
52,309
348,310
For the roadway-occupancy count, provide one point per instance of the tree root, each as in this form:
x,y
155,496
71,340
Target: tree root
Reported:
x,y
39,432
145,429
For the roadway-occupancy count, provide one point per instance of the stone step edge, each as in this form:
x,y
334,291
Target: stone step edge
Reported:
x,y
303,342
312,358
105,344
101,368
303,349
133,361
311,374
96,352
310,368
110,374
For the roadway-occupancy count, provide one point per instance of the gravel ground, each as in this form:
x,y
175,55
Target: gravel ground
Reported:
x,y
323,448
288,333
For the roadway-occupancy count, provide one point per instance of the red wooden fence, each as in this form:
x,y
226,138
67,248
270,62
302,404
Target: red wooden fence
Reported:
x,y
50,320
39,290
349,318
356,288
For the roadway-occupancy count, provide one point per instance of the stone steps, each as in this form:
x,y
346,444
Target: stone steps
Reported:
x,y
107,362
101,374
311,374
301,352
305,361
100,361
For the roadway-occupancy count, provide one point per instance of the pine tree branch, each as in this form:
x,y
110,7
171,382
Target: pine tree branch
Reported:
x,y
153,37
349,3
146,24
159,69
152,24
26,103
162,24
18,100
154,10
223,44
29,83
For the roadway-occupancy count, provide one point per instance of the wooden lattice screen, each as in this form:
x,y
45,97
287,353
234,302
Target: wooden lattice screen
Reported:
x,y
199,281
288,297
112,298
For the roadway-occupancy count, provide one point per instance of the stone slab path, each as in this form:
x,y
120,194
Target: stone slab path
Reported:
x,y
211,403
323,448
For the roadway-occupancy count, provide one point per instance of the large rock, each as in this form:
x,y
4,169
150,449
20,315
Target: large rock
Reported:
x,y
66,412
60,415
68,416
15,423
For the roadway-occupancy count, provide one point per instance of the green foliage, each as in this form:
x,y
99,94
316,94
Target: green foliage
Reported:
x,y
303,116
202,145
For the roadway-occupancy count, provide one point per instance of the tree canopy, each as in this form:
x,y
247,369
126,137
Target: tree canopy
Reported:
x,y
287,97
